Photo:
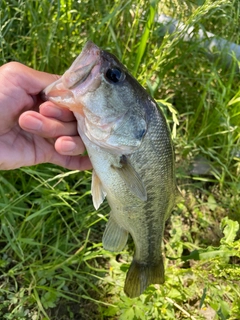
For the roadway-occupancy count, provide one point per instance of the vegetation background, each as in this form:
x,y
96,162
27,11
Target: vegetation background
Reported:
x,y
52,265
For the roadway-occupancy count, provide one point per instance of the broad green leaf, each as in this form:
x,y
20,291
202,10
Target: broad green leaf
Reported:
x,y
127,315
209,253
230,229
212,202
139,313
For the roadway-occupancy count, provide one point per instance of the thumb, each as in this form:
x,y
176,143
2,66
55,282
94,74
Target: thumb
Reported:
x,y
30,80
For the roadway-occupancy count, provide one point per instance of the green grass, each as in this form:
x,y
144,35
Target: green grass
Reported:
x,y
51,259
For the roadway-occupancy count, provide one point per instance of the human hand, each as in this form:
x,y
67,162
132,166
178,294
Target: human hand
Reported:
x,y
33,132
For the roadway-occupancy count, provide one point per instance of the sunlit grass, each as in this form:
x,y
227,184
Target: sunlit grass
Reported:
x,y
51,258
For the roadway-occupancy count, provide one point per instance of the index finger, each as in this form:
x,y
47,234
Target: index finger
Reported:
x,y
51,110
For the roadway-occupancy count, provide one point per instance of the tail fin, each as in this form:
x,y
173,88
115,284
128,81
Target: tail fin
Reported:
x,y
141,275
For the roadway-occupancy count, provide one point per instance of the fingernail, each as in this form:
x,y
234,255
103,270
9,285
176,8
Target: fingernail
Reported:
x,y
68,146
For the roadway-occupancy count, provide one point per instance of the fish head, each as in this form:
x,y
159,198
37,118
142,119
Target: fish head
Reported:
x,y
105,99
77,81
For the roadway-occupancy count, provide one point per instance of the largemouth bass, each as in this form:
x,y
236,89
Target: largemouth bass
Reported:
x,y
129,145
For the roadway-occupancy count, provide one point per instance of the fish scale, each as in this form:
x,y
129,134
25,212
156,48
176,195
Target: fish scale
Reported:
x,y
129,144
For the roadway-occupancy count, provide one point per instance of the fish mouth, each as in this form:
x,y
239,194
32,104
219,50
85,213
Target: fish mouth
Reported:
x,y
81,77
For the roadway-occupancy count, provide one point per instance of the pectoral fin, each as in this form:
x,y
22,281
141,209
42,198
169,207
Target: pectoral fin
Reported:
x,y
131,178
114,237
98,193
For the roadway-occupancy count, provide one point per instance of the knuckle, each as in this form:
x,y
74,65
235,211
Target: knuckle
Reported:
x,y
11,67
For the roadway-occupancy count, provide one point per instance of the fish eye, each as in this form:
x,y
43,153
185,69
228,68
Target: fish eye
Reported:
x,y
114,75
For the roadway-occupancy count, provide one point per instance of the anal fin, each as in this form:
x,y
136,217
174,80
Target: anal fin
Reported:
x,y
114,237
141,275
